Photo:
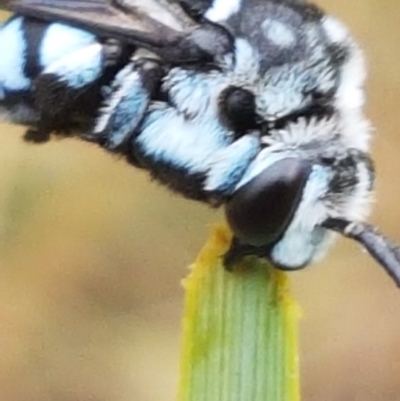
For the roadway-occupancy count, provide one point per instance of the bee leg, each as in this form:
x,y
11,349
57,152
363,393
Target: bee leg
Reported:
x,y
228,165
126,103
238,251
37,135
235,254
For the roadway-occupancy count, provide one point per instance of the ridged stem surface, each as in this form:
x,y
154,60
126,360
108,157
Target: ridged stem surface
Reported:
x,y
239,331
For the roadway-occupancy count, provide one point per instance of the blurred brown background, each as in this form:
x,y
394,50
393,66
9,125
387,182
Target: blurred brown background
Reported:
x,y
92,252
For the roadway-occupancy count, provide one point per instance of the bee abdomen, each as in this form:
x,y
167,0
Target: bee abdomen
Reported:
x,y
29,48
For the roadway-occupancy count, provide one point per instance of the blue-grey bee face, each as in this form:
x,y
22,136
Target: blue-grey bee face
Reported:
x,y
286,139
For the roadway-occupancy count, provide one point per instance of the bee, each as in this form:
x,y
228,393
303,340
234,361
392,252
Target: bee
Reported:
x,y
253,105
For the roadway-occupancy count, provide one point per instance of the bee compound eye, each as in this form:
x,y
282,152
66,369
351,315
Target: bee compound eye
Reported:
x,y
238,109
261,210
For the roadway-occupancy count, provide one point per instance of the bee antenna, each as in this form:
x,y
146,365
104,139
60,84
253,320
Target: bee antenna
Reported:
x,y
382,249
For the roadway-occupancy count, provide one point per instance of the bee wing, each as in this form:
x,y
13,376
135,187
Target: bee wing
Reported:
x,y
158,25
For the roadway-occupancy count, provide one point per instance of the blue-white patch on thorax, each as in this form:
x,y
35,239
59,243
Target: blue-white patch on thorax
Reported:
x,y
167,137
194,93
12,59
228,165
189,134
279,33
289,87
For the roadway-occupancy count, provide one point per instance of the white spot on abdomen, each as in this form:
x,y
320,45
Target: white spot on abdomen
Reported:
x,y
60,40
79,68
12,59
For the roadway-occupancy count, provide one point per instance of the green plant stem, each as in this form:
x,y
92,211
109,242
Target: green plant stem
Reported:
x,y
239,331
